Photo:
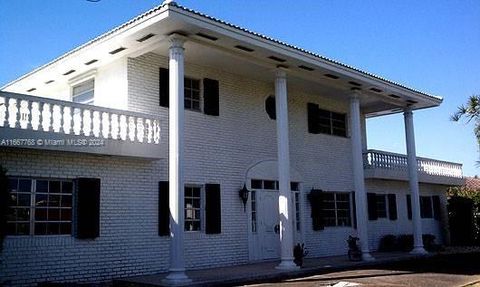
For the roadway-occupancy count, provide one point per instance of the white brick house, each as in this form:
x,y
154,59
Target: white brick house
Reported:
x,y
176,110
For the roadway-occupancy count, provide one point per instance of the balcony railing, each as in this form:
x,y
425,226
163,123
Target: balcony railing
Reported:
x,y
36,122
375,159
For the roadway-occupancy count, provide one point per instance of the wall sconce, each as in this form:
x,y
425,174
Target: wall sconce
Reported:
x,y
243,193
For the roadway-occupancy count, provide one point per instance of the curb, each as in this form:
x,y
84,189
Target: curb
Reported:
x,y
276,277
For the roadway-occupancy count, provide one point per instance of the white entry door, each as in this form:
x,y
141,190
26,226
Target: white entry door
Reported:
x,y
268,225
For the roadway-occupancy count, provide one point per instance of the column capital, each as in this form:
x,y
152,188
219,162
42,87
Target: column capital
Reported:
x,y
408,111
281,72
355,94
177,40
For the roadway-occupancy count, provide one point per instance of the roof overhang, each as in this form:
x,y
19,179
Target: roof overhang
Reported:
x,y
146,32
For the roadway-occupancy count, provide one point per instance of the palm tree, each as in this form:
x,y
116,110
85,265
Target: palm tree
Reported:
x,y
470,111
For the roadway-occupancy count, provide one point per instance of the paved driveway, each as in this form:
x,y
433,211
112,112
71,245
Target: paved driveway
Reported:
x,y
452,270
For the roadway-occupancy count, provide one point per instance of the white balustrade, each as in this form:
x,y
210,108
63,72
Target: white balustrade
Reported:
x,y
63,117
394,161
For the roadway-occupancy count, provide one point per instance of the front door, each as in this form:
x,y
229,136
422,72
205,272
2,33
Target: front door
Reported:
x,y
268,225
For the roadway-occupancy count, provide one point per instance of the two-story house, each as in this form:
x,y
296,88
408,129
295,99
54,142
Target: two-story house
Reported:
x,y
179,141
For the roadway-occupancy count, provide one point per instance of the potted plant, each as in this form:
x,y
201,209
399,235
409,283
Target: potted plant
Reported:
x,y
299,252
354,253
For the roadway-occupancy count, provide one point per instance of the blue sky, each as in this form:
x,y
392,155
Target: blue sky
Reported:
x,y
430,45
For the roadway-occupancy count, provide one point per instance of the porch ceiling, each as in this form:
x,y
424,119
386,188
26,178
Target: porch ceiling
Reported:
x,y
212,42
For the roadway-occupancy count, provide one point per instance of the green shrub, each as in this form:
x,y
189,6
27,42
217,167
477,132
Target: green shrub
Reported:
x,y
405,242
388,243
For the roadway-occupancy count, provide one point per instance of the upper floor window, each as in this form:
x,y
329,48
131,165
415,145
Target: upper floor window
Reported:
x,y
192,94
39,207
83,93
326,122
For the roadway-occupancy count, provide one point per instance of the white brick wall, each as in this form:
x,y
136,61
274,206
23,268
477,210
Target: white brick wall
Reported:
x,y
128,242
218,150
383,226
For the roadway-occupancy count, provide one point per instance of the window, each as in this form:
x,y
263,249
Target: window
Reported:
x,y
83,93
326,122
297,211
426,210
272,184
192,208
336,209
254,210
270,107
39,207
381,206
192,94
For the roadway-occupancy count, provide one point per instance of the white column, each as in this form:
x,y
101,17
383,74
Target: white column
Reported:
x,y
284,202
175,158
413,179
358,176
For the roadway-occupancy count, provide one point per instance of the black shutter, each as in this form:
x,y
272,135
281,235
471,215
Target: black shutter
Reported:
x,y
372,206
164,87
163,209
392,206
354,210
316,203
210,97
409,206
87,208
312,111
436,207
213,215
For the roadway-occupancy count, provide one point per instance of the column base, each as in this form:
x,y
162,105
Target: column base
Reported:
x,y
419,250
366,256
176,278
287,264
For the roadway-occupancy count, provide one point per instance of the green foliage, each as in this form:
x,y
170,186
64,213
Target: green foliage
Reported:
x,y
3,204
463,191
474,195
470,111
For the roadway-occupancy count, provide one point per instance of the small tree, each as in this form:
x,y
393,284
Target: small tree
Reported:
x,y
474,195
470,111
3,204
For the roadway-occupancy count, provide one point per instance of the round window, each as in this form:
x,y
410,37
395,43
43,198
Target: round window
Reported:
x,y
270,107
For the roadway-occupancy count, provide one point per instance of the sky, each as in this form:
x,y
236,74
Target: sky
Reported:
x,y
430,45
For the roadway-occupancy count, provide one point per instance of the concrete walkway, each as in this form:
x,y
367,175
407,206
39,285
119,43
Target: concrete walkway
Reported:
x,y
258,272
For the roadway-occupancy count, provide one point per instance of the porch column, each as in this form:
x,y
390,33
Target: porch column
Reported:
x,y
358,176
413,179
286,227
175,159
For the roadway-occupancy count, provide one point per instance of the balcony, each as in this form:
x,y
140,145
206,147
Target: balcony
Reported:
x,y
387,165
47,124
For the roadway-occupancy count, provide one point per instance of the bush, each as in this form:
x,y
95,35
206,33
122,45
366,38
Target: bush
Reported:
x,y
388,243
405,242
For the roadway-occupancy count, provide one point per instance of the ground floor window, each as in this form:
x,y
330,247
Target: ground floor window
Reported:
x,y
426,209
297,212
430,207
193,208
381,205
253,198
39,206
336,209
